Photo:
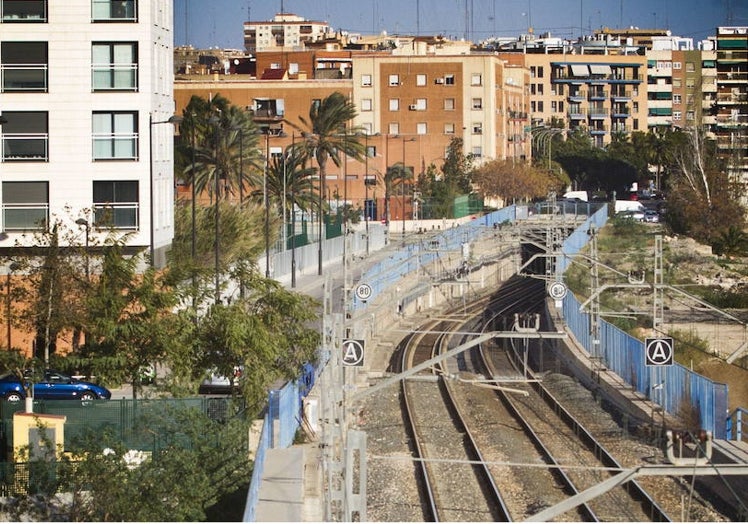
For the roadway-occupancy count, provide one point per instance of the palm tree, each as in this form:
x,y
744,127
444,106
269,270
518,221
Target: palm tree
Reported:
x,y
218,139
290,181
325,135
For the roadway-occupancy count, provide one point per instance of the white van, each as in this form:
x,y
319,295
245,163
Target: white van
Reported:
x,y
628,205
577,195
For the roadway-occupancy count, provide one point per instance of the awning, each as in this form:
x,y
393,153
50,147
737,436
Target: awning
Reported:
x,y
579,70
596,69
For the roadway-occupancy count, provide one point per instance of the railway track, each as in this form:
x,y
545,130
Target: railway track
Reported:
x,y
500,454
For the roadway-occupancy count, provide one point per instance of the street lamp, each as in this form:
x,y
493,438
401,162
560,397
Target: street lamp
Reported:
x,y
14,266
366,191
174,119
293,213
215,121
405,170
83,222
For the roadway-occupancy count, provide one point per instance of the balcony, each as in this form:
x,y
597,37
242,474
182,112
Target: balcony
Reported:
x,y
122,215
732,98
597,113
24,77
31,147
597,94
25,217
732,77
620,94
577,96
577,113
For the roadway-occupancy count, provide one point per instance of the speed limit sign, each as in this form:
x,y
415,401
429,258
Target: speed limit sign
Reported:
x,y
557,290
363,291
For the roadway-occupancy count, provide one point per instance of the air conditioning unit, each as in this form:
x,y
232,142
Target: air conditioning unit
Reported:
x,y
438,80
413,107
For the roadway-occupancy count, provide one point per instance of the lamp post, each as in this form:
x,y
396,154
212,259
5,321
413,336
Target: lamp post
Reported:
x,y
265,203
215,121
174,119
293,214
366,191
83,222
405,170
14,266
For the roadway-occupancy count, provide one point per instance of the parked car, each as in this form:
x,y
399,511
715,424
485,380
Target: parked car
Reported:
x,y
637,216
52,386
650,215
215,384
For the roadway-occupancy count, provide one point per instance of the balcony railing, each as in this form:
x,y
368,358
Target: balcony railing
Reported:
x,y
732,77
114,77
620,94
732,98
118,146
32,147
122,215
597,94
24,77
598,112
25,217
114,11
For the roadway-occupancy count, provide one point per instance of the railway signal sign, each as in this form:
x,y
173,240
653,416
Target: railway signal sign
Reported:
x,y
659,351
353,352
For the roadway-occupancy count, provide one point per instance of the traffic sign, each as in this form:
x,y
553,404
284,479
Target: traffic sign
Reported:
x,y
363,292
557,290
353,352
659,351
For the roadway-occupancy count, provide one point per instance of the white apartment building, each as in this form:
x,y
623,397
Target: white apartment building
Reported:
x,y
284,31
86,94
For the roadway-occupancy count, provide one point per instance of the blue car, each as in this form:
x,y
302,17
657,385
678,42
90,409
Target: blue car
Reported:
x,y
53,386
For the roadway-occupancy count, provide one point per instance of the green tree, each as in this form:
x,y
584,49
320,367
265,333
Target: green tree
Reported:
x,y
439,189
512,182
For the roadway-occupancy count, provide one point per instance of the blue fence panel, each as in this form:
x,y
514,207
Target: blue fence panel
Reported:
x,y
678,388
253,495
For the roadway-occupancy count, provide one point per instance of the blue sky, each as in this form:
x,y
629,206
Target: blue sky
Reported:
x,y
211,23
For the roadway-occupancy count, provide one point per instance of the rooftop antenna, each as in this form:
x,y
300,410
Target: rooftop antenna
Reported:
x,y
418,18
282,7
186,22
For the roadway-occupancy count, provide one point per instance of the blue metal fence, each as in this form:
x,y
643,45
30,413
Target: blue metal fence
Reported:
x,y
676,388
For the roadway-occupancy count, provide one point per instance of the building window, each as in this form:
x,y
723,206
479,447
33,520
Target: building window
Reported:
x,y
394,104
366,104
365,80
394,80
690,115
554,108
371,151
420,80
449,128
449,80
477,128
540,89
25,205
533,72
367,128
532,106
677,82
540,71
115,136
25,136
676,115
477,103
561,106
420,104
23,66
540,106
24,11
676,99
449,104
690,83
421,128
677,65
114,66
114,10
393,128
690,67
116,204
477,151
476,79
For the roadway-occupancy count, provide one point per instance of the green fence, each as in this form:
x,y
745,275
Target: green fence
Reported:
x,y
125,419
